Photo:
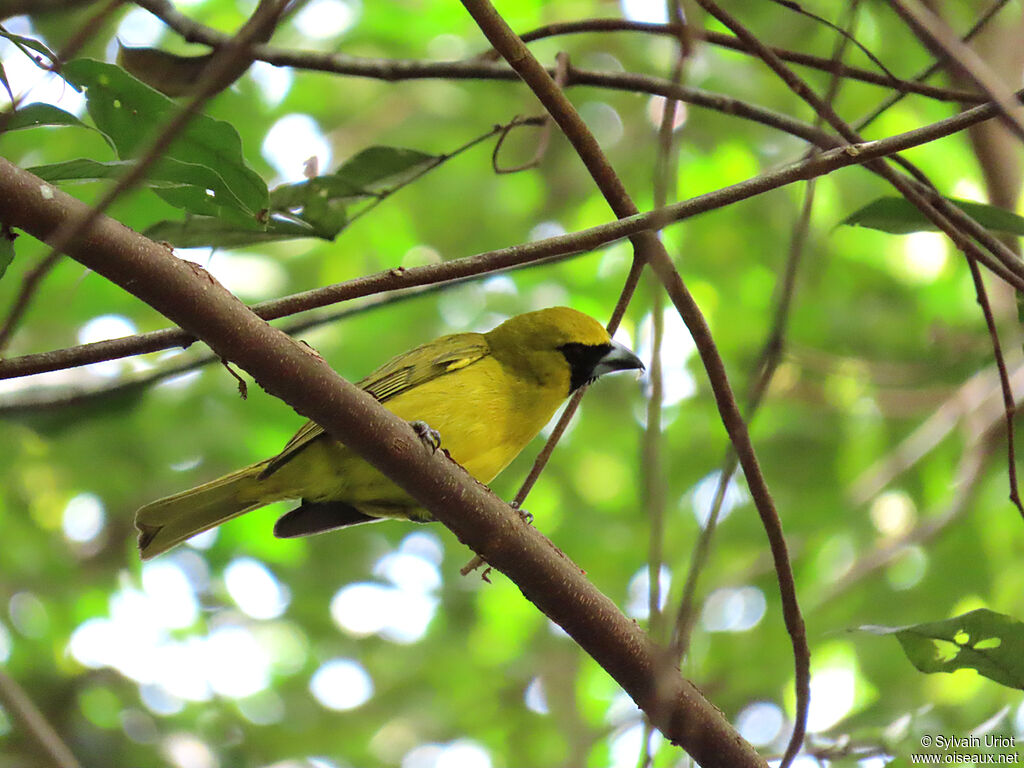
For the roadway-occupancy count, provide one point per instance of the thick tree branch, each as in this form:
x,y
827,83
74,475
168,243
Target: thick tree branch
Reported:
x,y
189,296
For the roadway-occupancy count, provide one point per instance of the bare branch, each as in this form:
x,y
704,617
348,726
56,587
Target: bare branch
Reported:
x,y
190,297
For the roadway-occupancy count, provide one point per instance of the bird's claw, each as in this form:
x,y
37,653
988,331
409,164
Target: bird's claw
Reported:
x,y
430,436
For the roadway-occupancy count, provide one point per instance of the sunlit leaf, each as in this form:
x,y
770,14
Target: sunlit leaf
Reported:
x,y
989,642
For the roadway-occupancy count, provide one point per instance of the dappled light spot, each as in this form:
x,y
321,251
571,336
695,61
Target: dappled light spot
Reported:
x,y
273,82
159,700
322,19
83,518
366,609
656,112
237,666
248,275
291,141
600,476
535,698
139,28
402,610
263,708
604,122
458,754
832,696
447,47
255,589
893,513
501,285
28,615
103,328
461,306
408,572
204,540
908,570
704,492
545,230
628,743
622,710
341,684
761,723
5,644
188,751
733,609
170,596
925,256
835,557
638,601
677,348
651,11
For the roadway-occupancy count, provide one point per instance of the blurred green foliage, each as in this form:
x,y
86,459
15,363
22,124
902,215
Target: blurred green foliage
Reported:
x,y
234,654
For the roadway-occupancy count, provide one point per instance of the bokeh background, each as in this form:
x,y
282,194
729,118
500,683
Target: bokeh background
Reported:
x,y
367,648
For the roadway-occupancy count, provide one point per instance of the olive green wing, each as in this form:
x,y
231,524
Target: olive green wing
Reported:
x,y
400,374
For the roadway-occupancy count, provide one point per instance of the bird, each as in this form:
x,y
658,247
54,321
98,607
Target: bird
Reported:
x,y
481,396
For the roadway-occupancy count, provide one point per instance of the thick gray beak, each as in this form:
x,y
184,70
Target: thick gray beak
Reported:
x,y
618,358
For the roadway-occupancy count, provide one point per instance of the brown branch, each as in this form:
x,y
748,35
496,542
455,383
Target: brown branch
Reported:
x,y
763,371
222,71
405,69
194,300
939,38
950,219
561,245
649,248
937,65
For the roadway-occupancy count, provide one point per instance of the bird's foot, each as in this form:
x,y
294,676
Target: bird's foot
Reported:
x,y
430,436
527,517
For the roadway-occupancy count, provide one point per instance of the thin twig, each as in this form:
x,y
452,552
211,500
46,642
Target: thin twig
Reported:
x,y
934,67
939,38
957,225
37,728
575,242
392,70
221,71
650,250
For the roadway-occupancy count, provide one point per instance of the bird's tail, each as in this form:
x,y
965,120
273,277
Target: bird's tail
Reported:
x,y
166,522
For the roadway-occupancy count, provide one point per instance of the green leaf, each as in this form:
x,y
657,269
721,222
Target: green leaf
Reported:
x,y
203,231
129,111
898,216
33,115
195,188
373,173
23,42
989,642
377,170
6,253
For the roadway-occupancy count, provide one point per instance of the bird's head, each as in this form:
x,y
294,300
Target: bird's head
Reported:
x,y
560,343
